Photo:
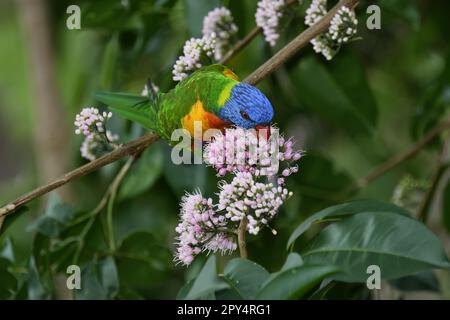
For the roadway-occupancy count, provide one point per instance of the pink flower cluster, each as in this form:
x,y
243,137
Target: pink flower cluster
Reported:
x,y
90,121
256,191
240,150
258,202
201,229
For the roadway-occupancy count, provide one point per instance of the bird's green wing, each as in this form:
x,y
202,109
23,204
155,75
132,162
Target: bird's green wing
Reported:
x,y
132,107
164,113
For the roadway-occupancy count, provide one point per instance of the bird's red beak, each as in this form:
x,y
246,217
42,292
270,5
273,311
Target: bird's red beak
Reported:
x,y
263,131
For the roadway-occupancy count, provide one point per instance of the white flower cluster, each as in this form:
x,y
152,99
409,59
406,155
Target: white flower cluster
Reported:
x,y
196,53
220,22
315,12
258,202
268,15
200,229
91,123
343,28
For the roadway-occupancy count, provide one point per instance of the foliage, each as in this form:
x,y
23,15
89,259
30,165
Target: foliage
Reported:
x,y
377,96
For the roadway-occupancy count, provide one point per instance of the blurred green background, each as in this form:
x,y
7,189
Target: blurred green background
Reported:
x,y
377,97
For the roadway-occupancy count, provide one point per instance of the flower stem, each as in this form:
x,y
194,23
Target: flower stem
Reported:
x,y
113,191
241,238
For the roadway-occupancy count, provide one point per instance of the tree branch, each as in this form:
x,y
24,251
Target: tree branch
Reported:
x,y
247,39
143,142
398,159
298,43
131,148
240,45
441,166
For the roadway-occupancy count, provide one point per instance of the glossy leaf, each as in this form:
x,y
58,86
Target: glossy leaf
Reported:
x,y
143,174
55,218
245,277
142,262
336,106
99,280
207,282
399,245
293,260
295,282
342,210
8,283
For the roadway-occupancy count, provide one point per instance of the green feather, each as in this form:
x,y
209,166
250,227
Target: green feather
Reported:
x,y
131,107
165,112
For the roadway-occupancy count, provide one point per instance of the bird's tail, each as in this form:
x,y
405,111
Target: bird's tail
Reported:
x,y
140,109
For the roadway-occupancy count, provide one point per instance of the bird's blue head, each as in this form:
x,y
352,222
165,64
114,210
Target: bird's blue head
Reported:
x,y
247,107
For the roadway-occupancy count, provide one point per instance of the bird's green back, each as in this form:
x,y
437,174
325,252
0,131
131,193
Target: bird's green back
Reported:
x,y
209,85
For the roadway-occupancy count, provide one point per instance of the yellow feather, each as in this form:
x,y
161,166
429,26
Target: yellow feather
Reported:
x,y
225,94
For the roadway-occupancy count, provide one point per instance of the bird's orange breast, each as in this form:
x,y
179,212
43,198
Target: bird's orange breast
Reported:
x,y
204,119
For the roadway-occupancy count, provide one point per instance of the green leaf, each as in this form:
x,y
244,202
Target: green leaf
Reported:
x,y
110,66
319,182
7,251
143,174
99,280
399,245
422,281
446,206
131,107
336,106
293,260
37,285
8,283
207,281
348,71
39,279
245,277
185,177
185,289
342,210
142,262
295,282
55,218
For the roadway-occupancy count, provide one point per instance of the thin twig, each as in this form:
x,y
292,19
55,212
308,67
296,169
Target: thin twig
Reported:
x,y
131,148
112,190
424,206
241,238
396,160
298,43
240,45
138,145
247,39
112,197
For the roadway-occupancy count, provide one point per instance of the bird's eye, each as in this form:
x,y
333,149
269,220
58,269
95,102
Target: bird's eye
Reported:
x,y
244,115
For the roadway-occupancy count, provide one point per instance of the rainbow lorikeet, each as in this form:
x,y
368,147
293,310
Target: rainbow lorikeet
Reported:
x,y
212,95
